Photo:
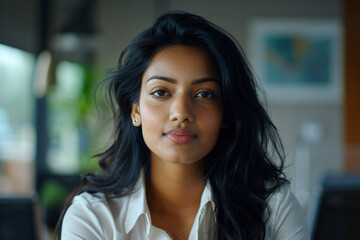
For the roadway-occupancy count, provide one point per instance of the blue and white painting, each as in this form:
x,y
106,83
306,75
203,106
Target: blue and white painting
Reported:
x,y
297,60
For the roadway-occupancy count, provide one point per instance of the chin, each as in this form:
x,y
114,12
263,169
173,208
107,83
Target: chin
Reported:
x,y
186,161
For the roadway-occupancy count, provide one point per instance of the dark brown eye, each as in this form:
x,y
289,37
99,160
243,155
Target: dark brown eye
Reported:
x,y
205,95
159,93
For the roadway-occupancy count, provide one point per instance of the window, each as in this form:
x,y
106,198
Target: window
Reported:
x,y
17,133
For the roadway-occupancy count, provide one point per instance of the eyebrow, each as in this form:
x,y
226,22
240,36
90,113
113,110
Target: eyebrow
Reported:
x,y
171,80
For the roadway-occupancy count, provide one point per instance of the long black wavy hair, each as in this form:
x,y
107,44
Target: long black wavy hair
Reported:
x,y
246,164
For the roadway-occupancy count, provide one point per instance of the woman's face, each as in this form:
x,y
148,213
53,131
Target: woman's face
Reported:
x,y
180,105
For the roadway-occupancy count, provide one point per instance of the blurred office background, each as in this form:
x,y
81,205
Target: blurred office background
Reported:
x,y
53,53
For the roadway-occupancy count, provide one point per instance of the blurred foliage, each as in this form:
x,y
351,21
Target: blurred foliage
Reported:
x,y
73,118
52,195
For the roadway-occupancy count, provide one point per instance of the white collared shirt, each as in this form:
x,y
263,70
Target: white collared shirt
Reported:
x,y
93,216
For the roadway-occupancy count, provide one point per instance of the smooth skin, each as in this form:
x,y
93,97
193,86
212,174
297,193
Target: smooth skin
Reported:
x,y
180,114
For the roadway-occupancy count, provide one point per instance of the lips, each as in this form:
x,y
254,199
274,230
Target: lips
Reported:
x,y
180,135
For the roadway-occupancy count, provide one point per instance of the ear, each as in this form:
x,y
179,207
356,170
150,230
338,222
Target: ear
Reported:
x,y
135,115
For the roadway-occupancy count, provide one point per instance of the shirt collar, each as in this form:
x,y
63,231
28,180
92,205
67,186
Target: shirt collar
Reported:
x,y
137,205
207,197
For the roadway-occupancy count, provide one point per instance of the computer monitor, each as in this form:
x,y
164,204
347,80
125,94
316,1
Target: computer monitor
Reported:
x,y
335,212
20,218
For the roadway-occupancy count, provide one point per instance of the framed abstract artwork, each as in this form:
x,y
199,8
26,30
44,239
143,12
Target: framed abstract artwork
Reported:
x,y
297,60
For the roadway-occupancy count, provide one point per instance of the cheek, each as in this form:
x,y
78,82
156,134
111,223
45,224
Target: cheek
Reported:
x,y
151,117
211,123
212,119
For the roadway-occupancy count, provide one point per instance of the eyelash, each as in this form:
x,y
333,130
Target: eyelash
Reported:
x,y
156,91
164,93
211,94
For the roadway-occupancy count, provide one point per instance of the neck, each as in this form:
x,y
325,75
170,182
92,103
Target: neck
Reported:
x,y
174,194
176,185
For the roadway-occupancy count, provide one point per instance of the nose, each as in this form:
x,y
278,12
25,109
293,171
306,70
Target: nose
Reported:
x,y
182,109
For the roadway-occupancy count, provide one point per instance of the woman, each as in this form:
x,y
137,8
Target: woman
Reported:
x,y
194,149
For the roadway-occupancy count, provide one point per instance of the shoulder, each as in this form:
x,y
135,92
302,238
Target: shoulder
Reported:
x,y
93,216
89,198
287,218
281,196
96,203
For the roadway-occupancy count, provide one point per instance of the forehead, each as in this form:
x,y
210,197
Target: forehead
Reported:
x,y
180,60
